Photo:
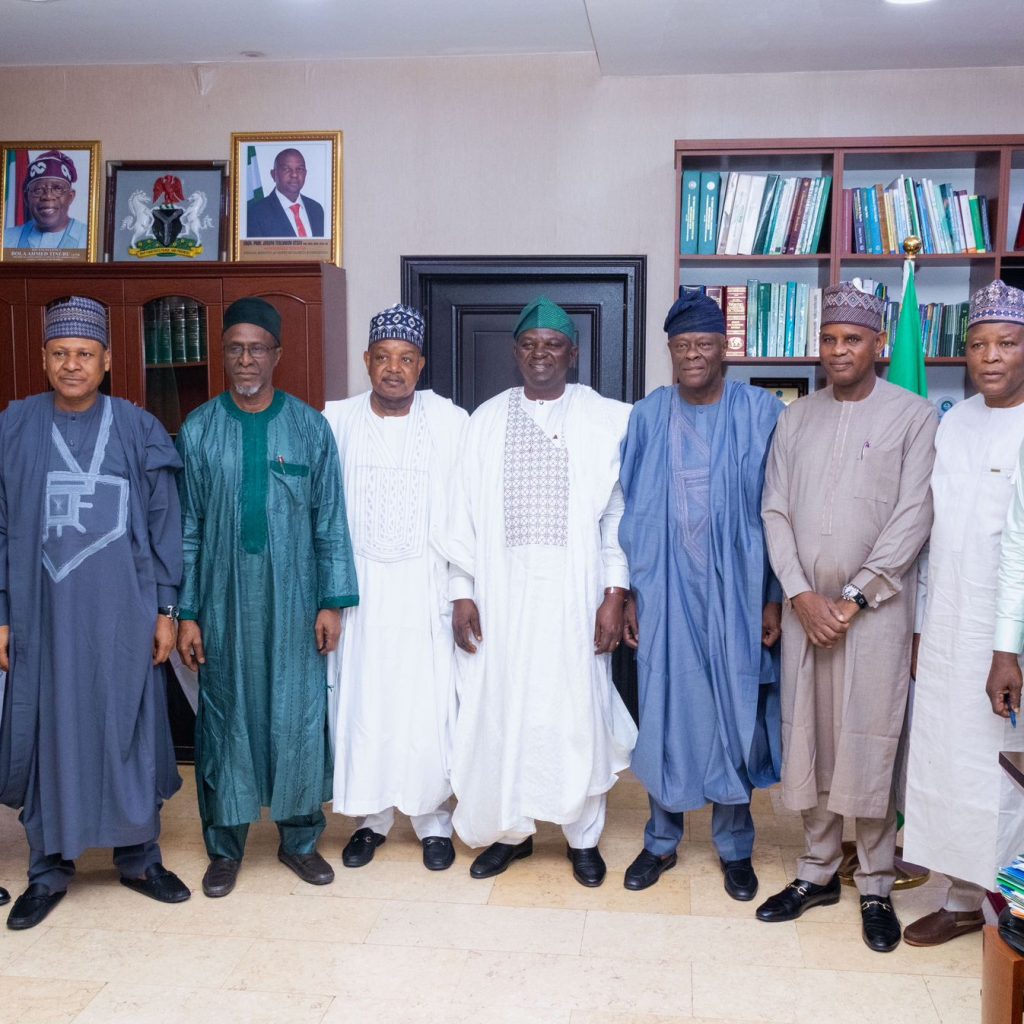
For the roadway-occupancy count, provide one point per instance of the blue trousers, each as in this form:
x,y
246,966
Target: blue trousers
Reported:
x,y
53,871
732,830
298,835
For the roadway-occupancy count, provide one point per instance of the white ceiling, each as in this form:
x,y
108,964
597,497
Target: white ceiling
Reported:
x,y
630,37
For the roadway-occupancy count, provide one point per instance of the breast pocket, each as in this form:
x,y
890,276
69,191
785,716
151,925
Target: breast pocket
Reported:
x,y
877,475
289,487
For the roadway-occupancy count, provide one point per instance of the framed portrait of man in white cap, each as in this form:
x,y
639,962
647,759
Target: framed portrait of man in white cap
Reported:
x,y
49,201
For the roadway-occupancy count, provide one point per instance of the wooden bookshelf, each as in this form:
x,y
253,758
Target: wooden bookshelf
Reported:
x,y
992,166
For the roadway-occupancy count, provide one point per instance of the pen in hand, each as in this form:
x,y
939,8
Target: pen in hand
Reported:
x,y
1013,714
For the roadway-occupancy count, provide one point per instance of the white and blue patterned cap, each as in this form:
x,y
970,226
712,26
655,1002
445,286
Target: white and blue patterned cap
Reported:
x,y
76,317
398,323
997,302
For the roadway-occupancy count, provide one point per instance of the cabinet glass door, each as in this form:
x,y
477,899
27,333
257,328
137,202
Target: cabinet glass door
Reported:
x,y
174,334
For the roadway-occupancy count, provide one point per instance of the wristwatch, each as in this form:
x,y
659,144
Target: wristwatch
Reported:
x,y
170,610
851,593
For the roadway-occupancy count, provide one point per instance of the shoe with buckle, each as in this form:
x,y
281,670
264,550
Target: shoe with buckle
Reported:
x,y
798,896
359,850
310,867
497,857
32,906
438,853
220,877
881,925
740,879
159,884
588,867
646,869
941,926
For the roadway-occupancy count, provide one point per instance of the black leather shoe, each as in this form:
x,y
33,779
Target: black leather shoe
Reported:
x,y
497,857
359,850
159,884
797,897
881,925
310,867
438,853
588,866
647,869
32,906
5,896
740,879
220,877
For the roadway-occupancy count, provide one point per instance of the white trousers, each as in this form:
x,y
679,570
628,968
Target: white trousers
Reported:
x,y
964,896
435,823
581,834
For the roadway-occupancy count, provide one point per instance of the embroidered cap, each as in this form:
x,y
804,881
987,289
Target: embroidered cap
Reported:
x,y
398,323
52,164
844,303
76,317
996,303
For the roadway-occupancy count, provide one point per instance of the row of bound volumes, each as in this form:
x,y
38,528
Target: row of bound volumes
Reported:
x,y
174,331
738,214
947,220
782,320
768,319
943,325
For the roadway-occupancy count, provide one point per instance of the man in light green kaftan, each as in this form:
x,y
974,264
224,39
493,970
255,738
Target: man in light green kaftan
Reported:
x,y
268,566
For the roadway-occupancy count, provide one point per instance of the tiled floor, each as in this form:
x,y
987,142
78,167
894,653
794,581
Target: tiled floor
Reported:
x,y
394,944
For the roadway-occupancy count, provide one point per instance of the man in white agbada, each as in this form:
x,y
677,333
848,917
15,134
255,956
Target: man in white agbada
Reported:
x,y
963,815
392,688
539,584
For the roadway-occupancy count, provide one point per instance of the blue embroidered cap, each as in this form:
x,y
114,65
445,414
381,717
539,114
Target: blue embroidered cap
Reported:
x,y
845,303
398,323
76,317
996,303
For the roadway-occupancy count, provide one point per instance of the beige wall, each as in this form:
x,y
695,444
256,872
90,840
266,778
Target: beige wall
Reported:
x,y
493,155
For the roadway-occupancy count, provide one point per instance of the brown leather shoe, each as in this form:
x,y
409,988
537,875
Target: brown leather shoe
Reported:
x,y
941,926
310,867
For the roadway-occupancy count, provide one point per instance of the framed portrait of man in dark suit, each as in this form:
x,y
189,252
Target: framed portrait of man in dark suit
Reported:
x,y
286,196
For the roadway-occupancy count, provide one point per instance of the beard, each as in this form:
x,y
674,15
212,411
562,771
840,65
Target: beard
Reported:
x,y
248,390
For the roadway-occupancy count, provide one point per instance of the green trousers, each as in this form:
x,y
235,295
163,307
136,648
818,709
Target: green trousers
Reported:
x,y
298,835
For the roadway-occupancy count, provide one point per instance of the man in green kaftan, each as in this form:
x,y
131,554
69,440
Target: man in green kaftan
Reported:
x,y
268,566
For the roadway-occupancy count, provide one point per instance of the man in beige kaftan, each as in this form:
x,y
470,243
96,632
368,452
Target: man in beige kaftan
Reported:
x,y
847,508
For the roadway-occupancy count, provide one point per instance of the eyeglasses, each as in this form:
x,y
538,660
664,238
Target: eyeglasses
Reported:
x,y
255,351
38,189
704,347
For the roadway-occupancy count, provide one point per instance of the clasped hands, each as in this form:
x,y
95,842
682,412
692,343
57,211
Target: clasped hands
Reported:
x,y
824,621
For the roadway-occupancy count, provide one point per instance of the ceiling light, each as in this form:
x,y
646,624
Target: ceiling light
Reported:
x,y
907,2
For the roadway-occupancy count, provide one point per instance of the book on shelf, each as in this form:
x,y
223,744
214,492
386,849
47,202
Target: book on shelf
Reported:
x,y
707,224
878,218
741,214
689,215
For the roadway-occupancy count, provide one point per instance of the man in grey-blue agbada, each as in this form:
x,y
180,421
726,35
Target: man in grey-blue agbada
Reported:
x,y
90,561
705,620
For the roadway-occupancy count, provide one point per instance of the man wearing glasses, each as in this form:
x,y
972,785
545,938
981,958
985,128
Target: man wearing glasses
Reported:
x,y
268,567
49,193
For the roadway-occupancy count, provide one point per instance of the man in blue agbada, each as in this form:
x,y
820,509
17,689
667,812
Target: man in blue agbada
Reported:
x,y
268,566
705,620
90,560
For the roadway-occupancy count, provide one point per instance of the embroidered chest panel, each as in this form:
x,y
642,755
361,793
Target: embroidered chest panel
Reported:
x,y
536,482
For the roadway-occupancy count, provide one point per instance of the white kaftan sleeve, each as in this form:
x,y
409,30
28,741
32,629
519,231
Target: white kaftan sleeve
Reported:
x,y
1009,635
613,558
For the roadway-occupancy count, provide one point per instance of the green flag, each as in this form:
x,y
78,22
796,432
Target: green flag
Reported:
x,y
253,182
906,368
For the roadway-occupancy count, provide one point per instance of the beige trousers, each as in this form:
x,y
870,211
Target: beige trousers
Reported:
x,y
876,849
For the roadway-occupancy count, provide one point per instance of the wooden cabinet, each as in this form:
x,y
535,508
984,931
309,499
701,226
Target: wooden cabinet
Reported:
x,y
309,296
992,166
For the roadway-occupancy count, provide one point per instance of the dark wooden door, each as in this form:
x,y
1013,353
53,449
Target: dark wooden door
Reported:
x,y
471,304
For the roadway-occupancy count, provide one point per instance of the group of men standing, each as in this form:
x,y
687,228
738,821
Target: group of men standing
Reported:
x,y
501,559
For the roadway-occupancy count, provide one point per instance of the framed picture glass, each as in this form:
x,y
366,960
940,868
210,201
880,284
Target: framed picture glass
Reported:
x,y
49,201
286,196
159,210
786,389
